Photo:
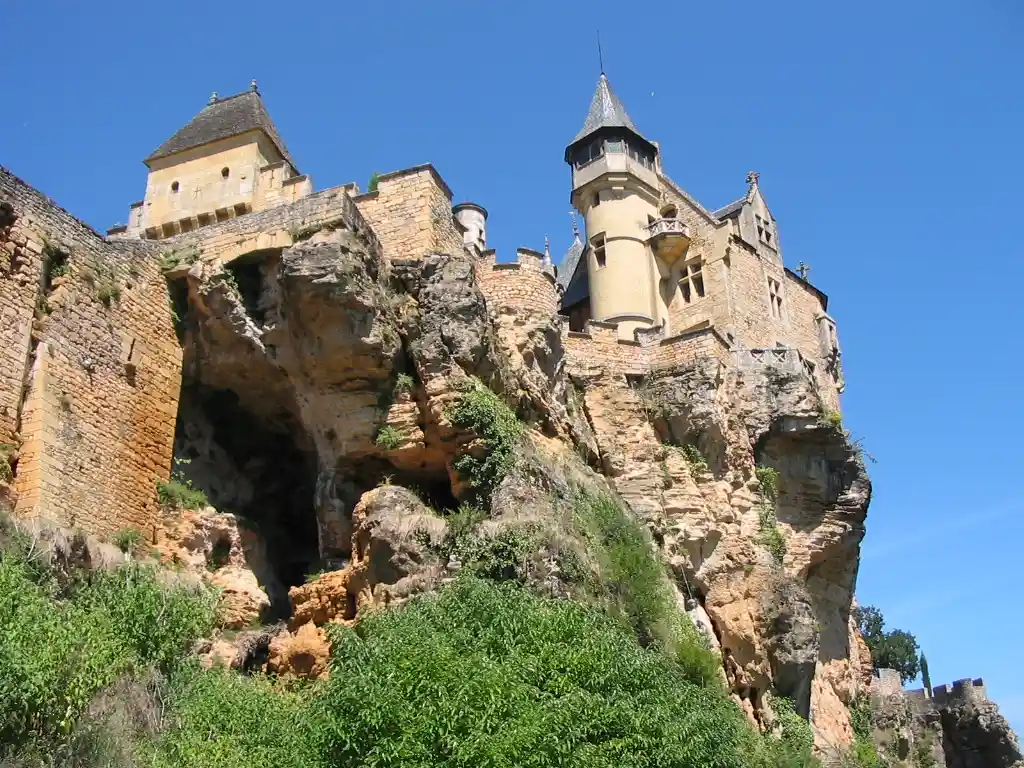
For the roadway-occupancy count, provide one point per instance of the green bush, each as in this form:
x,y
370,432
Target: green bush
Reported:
x,y
224,720
59,646
482,412
404,383
178,493
489,674
388,438
768,479
6,473
175,494
698,464
833,420
128,540
771,537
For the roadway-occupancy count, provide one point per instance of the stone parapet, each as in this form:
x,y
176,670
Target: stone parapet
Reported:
x,y
526,284
276,227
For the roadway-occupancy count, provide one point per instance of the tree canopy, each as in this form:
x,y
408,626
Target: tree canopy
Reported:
x,y
895,649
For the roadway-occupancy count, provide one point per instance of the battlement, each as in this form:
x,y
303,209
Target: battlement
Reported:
x,y
960,690
964,690
528,283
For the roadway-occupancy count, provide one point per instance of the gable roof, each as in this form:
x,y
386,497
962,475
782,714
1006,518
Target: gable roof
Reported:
x,y
222,119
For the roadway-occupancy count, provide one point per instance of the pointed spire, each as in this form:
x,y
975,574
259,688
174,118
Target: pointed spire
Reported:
x,y
606,111
575,229
547,251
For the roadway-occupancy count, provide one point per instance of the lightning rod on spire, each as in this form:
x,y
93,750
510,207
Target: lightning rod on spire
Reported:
x,y
600,56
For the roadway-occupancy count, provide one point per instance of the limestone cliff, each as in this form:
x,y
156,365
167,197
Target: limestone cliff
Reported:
x,y
317,374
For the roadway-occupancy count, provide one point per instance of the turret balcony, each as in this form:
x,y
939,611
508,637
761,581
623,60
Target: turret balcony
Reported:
x,y
668,238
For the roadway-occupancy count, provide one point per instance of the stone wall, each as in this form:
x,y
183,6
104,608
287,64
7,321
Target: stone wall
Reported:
x,y
411,212
523,284
103,370
600,346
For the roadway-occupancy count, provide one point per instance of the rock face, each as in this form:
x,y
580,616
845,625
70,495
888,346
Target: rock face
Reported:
x,y
229,556
976,735
318,382
681,446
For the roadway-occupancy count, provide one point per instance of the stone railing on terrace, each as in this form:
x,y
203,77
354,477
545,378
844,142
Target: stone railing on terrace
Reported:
x,y
667,227
526,284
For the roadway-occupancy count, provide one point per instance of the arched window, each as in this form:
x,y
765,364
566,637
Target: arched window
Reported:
x,y
224,172
174,186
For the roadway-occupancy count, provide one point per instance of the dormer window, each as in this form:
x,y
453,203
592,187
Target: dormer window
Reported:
x,y
764,231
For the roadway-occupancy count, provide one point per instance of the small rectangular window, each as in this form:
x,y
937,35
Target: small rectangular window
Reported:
x,y
691,281
775,297
597,199
615,145
597,241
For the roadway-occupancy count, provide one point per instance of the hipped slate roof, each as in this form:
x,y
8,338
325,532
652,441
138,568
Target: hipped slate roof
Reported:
x,y
606,111
223,119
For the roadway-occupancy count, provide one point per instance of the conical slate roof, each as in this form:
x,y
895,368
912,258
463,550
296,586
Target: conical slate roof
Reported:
x,y
567,268
606,111
222,119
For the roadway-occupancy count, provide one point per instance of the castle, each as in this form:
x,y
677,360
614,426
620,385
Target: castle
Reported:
x,y
90,365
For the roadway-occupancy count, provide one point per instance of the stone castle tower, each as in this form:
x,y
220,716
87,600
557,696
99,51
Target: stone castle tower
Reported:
x,y
655,261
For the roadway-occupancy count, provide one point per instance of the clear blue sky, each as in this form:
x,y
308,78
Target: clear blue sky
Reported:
x,y
888,137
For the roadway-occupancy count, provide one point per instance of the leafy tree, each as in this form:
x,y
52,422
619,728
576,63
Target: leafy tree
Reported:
x,y
926,679
895,649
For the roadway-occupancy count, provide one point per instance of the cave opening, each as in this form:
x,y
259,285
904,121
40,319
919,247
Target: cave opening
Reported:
x,y
256,468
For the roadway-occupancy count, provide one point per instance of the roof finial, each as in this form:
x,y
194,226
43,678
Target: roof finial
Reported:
x,y
252,86
547,251
575,226
600,56
752,178
213,98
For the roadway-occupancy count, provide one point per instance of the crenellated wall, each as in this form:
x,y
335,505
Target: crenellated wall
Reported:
x,y
523,284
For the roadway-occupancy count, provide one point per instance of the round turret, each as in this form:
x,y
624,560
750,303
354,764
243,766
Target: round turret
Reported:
x,y
473,219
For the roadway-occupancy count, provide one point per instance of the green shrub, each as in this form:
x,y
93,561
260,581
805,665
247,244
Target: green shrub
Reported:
x,y
56,654
374,181
128,540
833,420
178,493
172,259
175,494
225,720
489,674
770,535
6,472
698,464
388,438
795,739
482,412
108,292
404,383
768,478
